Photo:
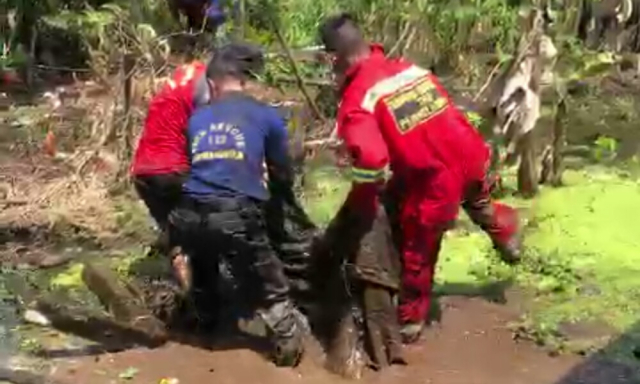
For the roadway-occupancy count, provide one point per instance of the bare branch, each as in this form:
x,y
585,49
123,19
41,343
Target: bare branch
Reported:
x,y
297,75
401,38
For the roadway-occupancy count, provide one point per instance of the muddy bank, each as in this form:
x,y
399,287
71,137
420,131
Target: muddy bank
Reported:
x,y
472,345
9,342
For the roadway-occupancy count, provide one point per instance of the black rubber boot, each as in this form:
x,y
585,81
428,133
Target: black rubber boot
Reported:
x,y
287,330
411,332
288,351
511,252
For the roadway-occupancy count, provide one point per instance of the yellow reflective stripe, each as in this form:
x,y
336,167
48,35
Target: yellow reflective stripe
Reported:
x,y
367,175
172,84
391,85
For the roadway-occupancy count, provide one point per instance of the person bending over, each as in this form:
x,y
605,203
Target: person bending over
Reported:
x,y
222,214
395,114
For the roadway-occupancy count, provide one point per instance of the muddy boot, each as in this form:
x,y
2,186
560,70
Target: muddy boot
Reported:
x,y
496,187
204,310
288,350
510,252
411,332
287,330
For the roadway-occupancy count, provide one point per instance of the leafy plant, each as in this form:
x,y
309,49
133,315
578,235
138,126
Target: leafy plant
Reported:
x,y
30,346
109,32
605,148
128,374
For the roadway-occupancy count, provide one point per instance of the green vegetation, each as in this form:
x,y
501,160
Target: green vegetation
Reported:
x,y
70,278
581,261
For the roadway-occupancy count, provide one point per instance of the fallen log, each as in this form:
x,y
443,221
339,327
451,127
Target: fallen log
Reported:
x,y
20,376
110,335
127,309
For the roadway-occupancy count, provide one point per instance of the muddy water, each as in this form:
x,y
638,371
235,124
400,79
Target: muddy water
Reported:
x,y
9,342
18,340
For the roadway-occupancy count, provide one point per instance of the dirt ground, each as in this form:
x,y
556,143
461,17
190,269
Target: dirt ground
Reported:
x,y
472,345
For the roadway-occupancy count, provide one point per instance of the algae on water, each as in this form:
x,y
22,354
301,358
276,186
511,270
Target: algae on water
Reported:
x,y
581,261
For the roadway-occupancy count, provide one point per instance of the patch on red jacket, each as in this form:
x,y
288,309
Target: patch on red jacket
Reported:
x,y
415,104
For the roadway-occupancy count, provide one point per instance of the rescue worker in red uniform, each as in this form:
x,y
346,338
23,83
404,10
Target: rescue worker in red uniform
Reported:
x,y
396,116
160,162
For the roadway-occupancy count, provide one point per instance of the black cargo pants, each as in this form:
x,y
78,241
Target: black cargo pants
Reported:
x,y
234,229
160,193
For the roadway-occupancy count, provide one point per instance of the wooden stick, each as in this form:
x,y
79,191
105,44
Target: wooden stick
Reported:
x,y
129,64
330,142
401,38
409,41
13,202
486,84
312,82
296,73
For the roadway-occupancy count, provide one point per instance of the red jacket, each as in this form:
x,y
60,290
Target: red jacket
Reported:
x,y
394,113
162,147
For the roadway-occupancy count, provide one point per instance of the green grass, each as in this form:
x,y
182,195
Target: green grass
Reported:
x,y
325,191
591,224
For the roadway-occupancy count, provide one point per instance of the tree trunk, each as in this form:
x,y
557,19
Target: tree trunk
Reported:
x,y
527,169
128,69
241,20
31,59
559,140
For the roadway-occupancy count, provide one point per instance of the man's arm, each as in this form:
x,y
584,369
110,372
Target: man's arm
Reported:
x,y
369,161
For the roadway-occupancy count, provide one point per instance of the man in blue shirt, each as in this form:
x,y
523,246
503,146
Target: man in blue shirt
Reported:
x,y
222,212
209,14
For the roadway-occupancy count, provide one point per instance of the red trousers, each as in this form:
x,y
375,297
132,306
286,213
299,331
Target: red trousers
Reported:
x,y
428,208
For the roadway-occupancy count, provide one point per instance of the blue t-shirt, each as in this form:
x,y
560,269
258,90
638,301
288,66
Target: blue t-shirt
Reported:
x,y
228,142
